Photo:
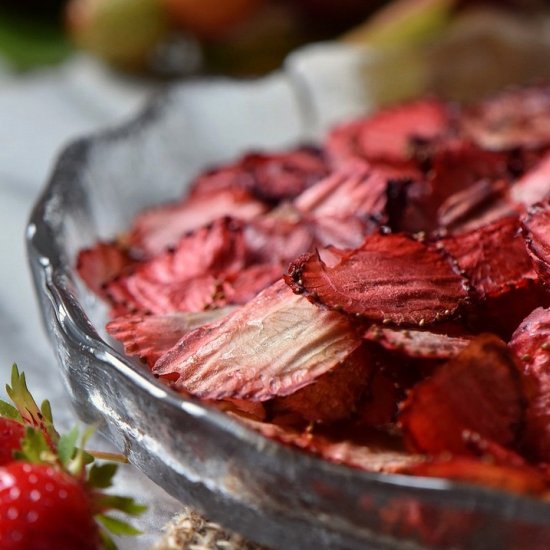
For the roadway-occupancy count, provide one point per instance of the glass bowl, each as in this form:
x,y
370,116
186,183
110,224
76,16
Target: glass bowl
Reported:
x,y
270,493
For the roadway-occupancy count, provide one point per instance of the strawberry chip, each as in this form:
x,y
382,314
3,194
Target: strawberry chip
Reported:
x,y
477,391
517,479
531,344
420,344
378,455
157,229
491,268
275,345
387,136
101,263
512,119
534,186
390,278
537,236
334,395
151,336
270,177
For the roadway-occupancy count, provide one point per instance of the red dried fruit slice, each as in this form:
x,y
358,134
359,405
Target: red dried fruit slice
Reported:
x,y
343,233
275,345
491,268
477,391
162,227
271,177
456,164
536,232
512,119
534,186
478,205
391,278
151,336
524,480
278,236
215,249
101,263
388,134
241,287
417,343
379,407
355,190
531,344
334,395
374,456
132,295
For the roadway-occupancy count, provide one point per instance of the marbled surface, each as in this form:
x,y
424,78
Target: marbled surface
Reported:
x,y
39,113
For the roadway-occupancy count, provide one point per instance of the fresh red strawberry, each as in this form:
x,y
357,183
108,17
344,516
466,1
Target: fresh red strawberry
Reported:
x,y
45,508
11,434
51,491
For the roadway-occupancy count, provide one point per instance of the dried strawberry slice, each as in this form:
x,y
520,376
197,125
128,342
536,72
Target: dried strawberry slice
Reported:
x,y
278,236
270,177
131,295
481,203
151,336
101,263
162,227
379,407
524,480
374,455
391,278
491,268
355,190
512,119
531,344
534,186
214,249
477,391
417,343
536,231
242,286
334,395
388,134
275,345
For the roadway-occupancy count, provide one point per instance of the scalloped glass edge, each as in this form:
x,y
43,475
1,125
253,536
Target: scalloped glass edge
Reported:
x,y
271,493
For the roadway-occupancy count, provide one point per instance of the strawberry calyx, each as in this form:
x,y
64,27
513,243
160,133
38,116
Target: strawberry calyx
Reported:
x,y
42,444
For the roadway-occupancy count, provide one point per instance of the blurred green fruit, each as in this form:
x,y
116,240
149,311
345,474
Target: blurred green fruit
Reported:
x,y
122,32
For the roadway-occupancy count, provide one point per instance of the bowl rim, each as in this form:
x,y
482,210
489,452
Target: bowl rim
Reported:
x,y
70,316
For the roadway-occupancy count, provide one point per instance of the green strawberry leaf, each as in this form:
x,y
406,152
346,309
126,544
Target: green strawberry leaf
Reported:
x,y
124,504
108,543
67,446
34,447
101,475
46,410
9,411
117,526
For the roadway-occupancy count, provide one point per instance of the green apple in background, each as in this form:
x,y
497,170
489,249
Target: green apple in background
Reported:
x,y
122,32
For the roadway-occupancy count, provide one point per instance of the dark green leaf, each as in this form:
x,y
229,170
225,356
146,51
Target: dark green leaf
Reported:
x,y
101,475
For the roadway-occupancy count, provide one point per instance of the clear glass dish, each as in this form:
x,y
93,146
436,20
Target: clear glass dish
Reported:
x,y
275,495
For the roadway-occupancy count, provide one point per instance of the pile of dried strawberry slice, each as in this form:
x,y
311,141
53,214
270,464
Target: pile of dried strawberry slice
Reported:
x,y
382,302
